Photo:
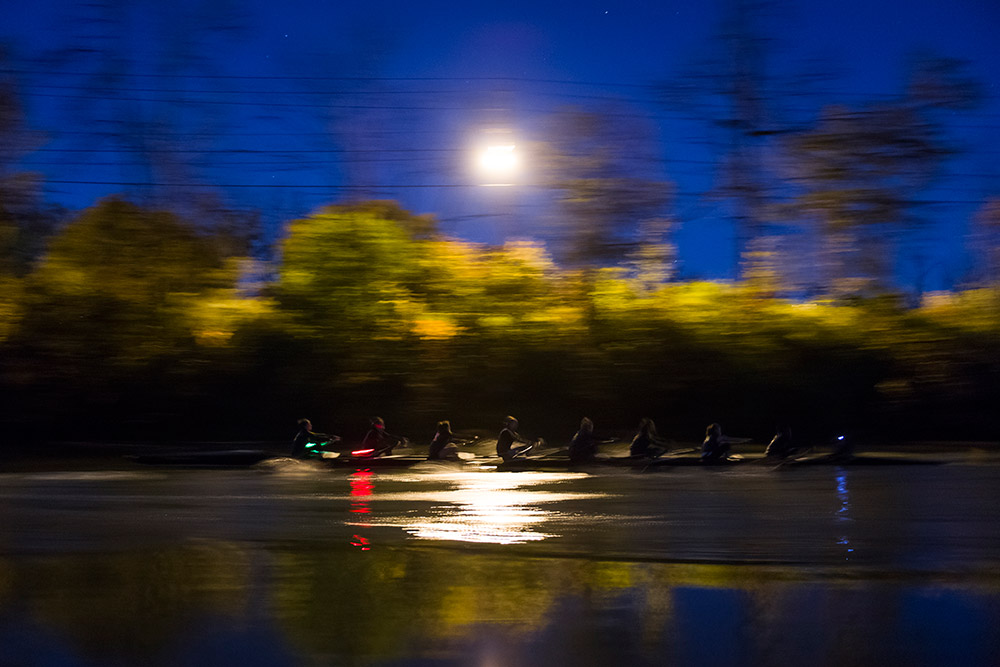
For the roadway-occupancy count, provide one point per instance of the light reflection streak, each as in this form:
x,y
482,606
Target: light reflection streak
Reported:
x,y
361,542
492,508
362,487
843,514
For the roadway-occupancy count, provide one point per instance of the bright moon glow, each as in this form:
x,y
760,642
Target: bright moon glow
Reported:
x,y
499,159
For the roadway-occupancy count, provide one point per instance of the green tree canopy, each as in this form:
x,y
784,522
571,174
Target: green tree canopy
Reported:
x,y
115,287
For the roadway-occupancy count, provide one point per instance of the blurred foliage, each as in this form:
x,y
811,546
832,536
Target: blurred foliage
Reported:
x,y
134,324
858,171
859,174
116,315
984,239
606,184
24,220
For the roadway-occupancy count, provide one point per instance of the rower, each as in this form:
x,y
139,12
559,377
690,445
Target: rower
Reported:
x,y
646,442
508,436
716,446
444,444
781,445
379,442
583,446
307,441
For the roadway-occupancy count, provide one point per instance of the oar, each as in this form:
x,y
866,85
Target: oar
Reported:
x,y
669,455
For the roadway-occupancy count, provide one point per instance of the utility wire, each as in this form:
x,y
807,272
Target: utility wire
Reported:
x,y
658,113
380,186
662,86
451,91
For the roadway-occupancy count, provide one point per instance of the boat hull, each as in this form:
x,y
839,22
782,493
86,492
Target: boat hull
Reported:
x,y
222,458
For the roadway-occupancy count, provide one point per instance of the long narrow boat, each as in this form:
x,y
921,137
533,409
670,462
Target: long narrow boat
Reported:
x,y
697,461
859,460
243,458
347,460
217,458
393,461
562,462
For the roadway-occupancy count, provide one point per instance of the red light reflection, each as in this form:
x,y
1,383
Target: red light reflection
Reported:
x,y
361,486
361,542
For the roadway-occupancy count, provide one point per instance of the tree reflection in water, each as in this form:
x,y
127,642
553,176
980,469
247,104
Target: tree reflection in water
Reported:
x,y
480,568
327,604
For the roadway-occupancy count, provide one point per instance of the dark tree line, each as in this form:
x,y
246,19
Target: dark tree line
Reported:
x,y
136,324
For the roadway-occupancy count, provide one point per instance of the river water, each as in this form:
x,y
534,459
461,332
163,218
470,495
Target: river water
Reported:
x,y
289,563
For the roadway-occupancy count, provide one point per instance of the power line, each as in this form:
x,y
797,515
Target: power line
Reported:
x,y
248,91
297,151
227,133
382,186
658,113
244,77
378,92
255,103
248,163
657,87
248,151
442,152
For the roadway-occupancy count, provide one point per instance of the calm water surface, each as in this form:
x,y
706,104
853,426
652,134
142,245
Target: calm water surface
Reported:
x,y
289,564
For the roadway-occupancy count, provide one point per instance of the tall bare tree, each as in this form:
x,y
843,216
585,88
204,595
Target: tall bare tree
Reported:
x,y
25,222
859,173
732,91
608,189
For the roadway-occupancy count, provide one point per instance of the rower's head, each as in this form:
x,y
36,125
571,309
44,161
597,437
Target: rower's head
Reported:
x,y
510,422
713,429
586,425
647,426
306,424
378,422
444,427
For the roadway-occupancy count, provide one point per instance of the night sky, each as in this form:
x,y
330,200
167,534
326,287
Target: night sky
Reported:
x,y
284,107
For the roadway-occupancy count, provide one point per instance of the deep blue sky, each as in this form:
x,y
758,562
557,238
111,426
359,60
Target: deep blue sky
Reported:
x,y
309,97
